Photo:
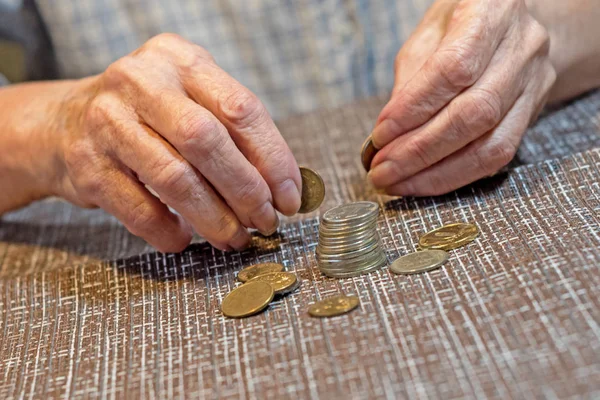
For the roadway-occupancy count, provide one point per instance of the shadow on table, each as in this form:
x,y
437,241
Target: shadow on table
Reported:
x,y
27,248
483,186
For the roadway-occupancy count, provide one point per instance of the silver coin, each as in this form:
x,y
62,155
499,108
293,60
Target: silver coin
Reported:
x,y
420,261
349,244
348,274
345,254
329,246
351,212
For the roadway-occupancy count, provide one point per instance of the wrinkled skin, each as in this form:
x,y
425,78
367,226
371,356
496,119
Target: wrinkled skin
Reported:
x,y
468,83
167,117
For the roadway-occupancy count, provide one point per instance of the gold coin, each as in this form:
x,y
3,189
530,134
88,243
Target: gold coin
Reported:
x,y
333,306
247,299
281,282
367,153
258,269
421,261
449,237
313,190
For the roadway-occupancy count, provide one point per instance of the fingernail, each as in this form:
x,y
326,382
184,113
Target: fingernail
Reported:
x,y
266,219
384,132
384,174
241,240
287,197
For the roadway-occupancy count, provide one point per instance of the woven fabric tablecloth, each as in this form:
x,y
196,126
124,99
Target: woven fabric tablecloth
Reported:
x,y
88,310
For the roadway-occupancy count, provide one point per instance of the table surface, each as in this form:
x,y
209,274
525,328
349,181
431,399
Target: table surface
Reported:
x,y
88,310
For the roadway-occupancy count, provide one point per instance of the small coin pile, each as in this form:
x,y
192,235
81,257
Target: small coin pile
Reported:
x,y
348,240
261,283
433,247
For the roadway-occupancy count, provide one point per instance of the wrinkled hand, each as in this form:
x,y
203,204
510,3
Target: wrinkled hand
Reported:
x,y
167,117
468,83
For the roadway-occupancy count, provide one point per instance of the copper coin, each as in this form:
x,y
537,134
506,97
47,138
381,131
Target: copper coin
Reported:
x,y
313,190
258,269
367,153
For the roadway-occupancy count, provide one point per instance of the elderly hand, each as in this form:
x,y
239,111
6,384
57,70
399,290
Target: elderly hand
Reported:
x,y
167,117
469,81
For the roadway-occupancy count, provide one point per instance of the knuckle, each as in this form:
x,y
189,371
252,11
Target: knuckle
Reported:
x,y
541,38
199,133
419,151
98,112
172,179
242,108
252,191
457,66
480,112
119,71
141,218
165,41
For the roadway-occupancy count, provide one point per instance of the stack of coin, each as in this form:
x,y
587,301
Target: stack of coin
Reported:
x,y
348,240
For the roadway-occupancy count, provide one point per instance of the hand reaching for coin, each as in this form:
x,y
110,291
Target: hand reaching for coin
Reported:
x,y
468,83
168,118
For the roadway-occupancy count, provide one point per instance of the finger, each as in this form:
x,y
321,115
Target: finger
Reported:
x,y
251,128
141,213
482,158
177,183
202,140
472,114
460,60
422,43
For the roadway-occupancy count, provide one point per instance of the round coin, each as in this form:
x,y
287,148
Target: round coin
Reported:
x,y
281,282
332,306
346,213
420,261
248,299
449,237
367,153
258,269
313,190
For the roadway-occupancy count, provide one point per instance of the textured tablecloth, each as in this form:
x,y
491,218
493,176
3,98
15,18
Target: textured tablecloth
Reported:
x,y
87,310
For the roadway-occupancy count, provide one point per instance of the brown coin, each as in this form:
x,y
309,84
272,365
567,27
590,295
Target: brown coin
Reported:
x,y
282,282
258,269
367,153
449,237
333,306
248,299
313,190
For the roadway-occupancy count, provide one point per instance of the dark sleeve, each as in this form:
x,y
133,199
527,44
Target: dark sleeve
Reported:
x,y
22,26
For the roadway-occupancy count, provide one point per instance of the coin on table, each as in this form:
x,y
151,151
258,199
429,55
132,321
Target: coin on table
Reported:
x,y
258,269
248,299
421,261
282,282
367,153
313,190
333,306
449,237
